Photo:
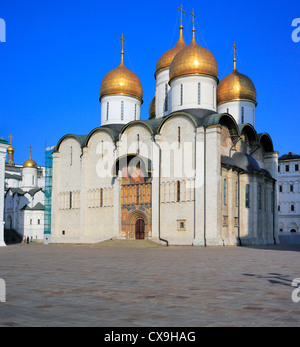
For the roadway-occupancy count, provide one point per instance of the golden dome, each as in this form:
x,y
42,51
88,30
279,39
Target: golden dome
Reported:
x,y
165,60
30,163
236,86
10,149
152,109
121,81
194,59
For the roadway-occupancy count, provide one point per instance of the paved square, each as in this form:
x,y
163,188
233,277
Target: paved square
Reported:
x,y
89,285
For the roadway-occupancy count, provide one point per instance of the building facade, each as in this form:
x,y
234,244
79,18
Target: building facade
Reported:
x,y
289,198
195,173
24,197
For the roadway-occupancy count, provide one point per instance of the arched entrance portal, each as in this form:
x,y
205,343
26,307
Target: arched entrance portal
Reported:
x,y
140,229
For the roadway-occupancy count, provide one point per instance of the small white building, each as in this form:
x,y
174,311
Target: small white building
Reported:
x,y
289,198
24,197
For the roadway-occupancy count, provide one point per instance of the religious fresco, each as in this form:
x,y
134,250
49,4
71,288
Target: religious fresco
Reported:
x,y
136,196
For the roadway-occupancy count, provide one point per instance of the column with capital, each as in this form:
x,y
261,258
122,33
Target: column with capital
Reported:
x,y
3,148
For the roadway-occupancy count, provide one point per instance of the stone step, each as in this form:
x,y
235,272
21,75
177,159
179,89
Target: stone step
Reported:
x,y
128,244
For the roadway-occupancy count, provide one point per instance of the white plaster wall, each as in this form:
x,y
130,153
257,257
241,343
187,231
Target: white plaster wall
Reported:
x,y
235,109
29,178
190,92
114,114
162,80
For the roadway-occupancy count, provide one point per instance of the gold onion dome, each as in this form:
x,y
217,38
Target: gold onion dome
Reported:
x,y
194,59
166,59
121,81
30,163
236,86
10,149
152,109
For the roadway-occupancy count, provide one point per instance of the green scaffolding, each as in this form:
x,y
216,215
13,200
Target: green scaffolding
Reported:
x,y
48,190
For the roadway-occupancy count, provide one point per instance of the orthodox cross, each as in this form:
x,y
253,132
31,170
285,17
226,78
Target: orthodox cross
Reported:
x,y
193,14
10,137
180,9
234,50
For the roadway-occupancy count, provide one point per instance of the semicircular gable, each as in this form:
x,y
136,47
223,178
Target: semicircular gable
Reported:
x,y
265,141
95,131
178,114
135,123
250,132
79,138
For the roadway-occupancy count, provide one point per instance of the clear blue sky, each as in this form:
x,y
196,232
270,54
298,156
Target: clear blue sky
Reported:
x,y
57,53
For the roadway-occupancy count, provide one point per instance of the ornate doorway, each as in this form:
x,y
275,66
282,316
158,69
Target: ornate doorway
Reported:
x,y
140,229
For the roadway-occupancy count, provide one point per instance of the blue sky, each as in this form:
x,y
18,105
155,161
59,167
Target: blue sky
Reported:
x,y
57,52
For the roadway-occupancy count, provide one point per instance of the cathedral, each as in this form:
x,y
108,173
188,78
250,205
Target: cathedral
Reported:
x,y
195,173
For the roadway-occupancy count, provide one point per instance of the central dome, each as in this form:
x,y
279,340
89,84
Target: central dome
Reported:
x,y
121,81
194,60
166,59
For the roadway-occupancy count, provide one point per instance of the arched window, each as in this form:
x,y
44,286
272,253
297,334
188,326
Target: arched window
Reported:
x,y
70,200
199,93
224,192
107,110
247,195
178,192
166,97
122,110
292,208
181,94
242,115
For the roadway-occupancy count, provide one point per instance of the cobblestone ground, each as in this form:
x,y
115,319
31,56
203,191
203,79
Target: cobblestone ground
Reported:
x,y
118,286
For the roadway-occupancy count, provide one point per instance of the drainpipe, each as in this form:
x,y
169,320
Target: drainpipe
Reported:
x,y
159,179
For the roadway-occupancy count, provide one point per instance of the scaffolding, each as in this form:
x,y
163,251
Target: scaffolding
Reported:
x,y
48,193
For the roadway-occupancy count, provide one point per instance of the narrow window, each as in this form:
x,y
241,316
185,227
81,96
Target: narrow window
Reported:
x,y
135,112
30,221
178,191
137,194
70,200
39,221
278,168
291,188
137,143
107,110
280,189
228,110
199,93
224,193
122,110
71,156
102,149
166,97
242,113
236,194
247,197
292,208
178,137
101,197
32,180
259,197
181,94
278,208
296,167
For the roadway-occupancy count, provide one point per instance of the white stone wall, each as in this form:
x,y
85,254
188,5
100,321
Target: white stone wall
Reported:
x,y
237,109
208,93
112,114
162,85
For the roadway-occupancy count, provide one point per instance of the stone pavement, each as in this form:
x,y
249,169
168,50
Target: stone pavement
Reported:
x,y
145,286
